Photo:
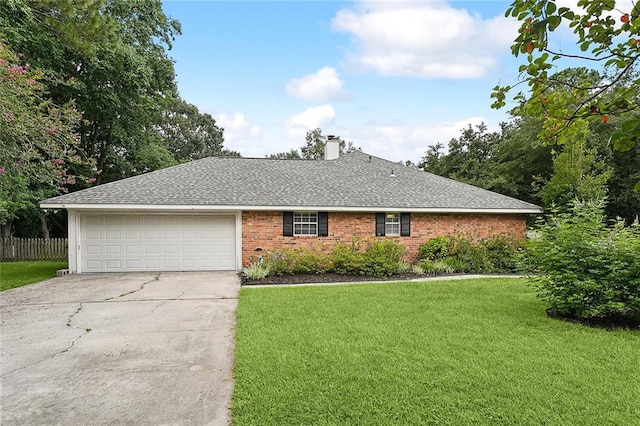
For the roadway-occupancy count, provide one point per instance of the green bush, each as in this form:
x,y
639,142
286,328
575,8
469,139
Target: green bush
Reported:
x,y
588,270
435,249
503,253
298,261
347,259
496,254
381,258
471,257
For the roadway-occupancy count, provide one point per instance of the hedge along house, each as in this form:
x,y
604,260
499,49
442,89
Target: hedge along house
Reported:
x,y
217,213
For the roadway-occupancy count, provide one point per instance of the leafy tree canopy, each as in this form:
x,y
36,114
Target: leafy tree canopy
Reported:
x,y
608,38
38,145
313,149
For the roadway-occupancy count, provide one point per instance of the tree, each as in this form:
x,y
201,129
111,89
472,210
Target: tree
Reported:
x,y
607,37
292,154
190,134
313,148
510,161
38,144
469,157
122,79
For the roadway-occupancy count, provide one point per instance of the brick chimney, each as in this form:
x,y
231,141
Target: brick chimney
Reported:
x,y
332,148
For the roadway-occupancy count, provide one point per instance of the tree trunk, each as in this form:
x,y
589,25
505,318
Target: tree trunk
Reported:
x,y
5,230
44,227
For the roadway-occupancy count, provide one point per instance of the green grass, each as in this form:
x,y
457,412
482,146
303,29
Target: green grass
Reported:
x,y
441,352
17,274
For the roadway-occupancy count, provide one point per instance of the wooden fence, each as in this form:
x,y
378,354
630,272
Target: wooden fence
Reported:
x,y
18,249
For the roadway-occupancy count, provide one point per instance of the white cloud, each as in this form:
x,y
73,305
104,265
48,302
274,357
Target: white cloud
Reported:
x,y
309,119
399,141
322,85
424,39
239,134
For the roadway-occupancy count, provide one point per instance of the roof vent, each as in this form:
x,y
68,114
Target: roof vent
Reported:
x,y
332,148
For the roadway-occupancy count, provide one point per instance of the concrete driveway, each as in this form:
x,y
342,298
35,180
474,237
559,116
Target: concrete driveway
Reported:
x,y
137,348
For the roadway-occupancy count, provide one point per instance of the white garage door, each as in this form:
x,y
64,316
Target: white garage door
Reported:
x,y
113,243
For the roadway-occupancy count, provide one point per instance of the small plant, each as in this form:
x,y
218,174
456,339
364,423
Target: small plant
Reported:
x,y
428,267
403,267
455,265
417,270
442,267
257,271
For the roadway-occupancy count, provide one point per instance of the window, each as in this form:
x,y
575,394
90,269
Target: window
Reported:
x,y
305,223
392,224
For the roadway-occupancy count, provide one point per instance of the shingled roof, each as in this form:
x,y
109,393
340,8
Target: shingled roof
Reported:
x,y
354,181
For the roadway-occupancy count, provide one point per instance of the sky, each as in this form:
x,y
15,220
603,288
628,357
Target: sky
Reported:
x,y
393,77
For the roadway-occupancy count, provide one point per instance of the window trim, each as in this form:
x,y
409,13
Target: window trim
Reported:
x,y
404,224
393,223
302,220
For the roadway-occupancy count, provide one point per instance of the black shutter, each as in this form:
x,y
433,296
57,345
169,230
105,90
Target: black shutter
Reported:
x,y
405,224
380,224
287,224
323,224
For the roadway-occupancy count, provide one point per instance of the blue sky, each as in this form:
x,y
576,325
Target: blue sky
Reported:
x,y
393,77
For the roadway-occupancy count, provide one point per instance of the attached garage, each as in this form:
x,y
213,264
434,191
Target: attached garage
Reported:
x,y
155,242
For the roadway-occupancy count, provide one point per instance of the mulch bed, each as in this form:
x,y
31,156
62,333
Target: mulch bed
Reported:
x,y
322,278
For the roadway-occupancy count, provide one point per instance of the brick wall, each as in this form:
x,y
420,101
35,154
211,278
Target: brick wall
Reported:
x,y
264,230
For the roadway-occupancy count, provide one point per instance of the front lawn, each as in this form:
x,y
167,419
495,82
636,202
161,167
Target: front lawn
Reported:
x,y
441,352
17,274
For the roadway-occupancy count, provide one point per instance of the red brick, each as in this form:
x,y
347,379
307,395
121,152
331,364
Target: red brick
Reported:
x,y
264,230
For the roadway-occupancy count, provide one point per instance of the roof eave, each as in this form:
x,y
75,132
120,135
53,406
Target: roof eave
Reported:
x,y
219,208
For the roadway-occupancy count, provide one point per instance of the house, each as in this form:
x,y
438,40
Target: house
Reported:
x,y
217,213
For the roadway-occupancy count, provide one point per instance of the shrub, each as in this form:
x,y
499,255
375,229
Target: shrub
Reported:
x,y
381,258
435,249
347,259
502,253
471,257
257,271
589,270
496,254
298,261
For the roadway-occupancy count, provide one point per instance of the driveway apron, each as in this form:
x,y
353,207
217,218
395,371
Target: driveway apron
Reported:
x,y
136,348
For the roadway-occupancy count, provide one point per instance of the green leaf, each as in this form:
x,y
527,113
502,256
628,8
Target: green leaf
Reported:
x,y
550,8
623,143
629,125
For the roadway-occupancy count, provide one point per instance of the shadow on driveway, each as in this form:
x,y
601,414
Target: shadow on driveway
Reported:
x,y
136,348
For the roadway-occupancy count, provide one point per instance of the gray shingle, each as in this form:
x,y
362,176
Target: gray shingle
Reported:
x,y
355,180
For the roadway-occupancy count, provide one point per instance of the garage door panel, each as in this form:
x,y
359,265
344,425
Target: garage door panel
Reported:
x,y
132,264
156,243
151,249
